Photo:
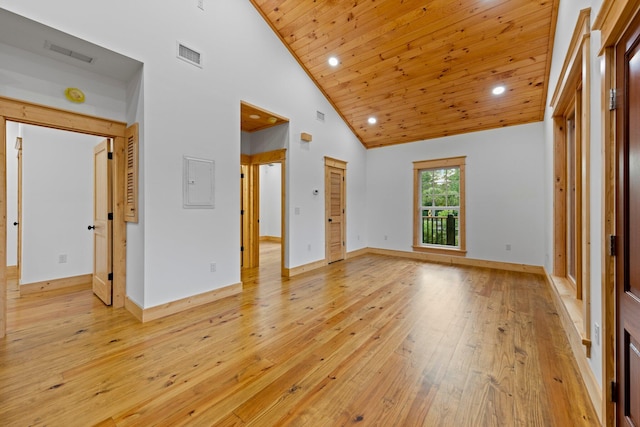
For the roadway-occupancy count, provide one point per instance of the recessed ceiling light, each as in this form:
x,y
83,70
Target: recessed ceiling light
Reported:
x,y
372,120
498,90
333,61
254,116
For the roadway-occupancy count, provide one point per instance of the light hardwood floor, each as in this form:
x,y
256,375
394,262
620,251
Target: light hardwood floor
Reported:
x,y
373,340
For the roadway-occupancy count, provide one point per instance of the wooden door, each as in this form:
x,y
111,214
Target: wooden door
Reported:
x,y
244,216
628,228
18,221
102,218
335,210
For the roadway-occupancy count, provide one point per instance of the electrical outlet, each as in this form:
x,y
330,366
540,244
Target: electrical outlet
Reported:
x,y
62,258
508,246
212,267
309,247
385,237
596,333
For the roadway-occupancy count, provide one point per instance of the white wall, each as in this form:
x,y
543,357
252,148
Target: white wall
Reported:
x,y
567,19
57,203
270,200
42,80
504,192
270,139
193,111
12,193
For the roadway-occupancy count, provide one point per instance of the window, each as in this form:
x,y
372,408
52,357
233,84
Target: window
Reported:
x,y
439,206
571,105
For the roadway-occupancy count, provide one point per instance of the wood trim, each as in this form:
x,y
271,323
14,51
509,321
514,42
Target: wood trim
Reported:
x,y
119,225
547,72
586,186
559,197
456,260
435,258
439,163
133,308
71,283
245,159
269,157
3,225
290,272
335,163
440,250
12,272
576,342
572,66
613,18
40,115
357,253
173,307
275,239
608,294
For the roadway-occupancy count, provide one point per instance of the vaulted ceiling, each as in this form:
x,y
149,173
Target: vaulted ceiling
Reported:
x,y
423,69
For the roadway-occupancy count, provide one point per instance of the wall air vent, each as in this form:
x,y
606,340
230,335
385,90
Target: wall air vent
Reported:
x,y
189,55
320,116
68,52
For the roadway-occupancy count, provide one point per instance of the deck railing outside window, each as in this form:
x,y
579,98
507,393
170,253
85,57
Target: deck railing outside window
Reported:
x,y
440,230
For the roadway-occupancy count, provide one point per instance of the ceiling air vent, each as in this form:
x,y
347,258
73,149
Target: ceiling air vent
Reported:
x,y
189,55
68,52
320,116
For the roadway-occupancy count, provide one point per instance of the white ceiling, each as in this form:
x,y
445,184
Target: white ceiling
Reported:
x,y
23,33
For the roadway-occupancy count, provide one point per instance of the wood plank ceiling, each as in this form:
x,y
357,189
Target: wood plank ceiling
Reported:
x,y
424,69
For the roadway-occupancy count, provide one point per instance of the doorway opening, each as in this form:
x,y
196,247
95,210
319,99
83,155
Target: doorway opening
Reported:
x,y
49,243
23,112
263,193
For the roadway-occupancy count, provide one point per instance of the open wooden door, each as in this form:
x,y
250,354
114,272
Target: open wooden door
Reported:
x,y
244,216
102,221
335,208
18,222
628,228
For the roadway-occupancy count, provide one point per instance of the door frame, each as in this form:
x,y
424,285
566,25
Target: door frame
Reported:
x,y
252,215
331,163
612,20
34,114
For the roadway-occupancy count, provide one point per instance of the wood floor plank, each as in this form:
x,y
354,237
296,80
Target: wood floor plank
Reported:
x,y
373,340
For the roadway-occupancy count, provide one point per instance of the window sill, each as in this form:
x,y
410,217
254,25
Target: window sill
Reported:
x,y
440,250
572,309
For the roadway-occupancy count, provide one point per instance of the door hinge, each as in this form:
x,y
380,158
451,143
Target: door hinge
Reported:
x,y
613,100
614,391
110,216
241,211
241,248
613,241
110,276
241,175
110,156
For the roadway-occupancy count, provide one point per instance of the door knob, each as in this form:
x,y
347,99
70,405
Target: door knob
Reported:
x,y
15,223
91,227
